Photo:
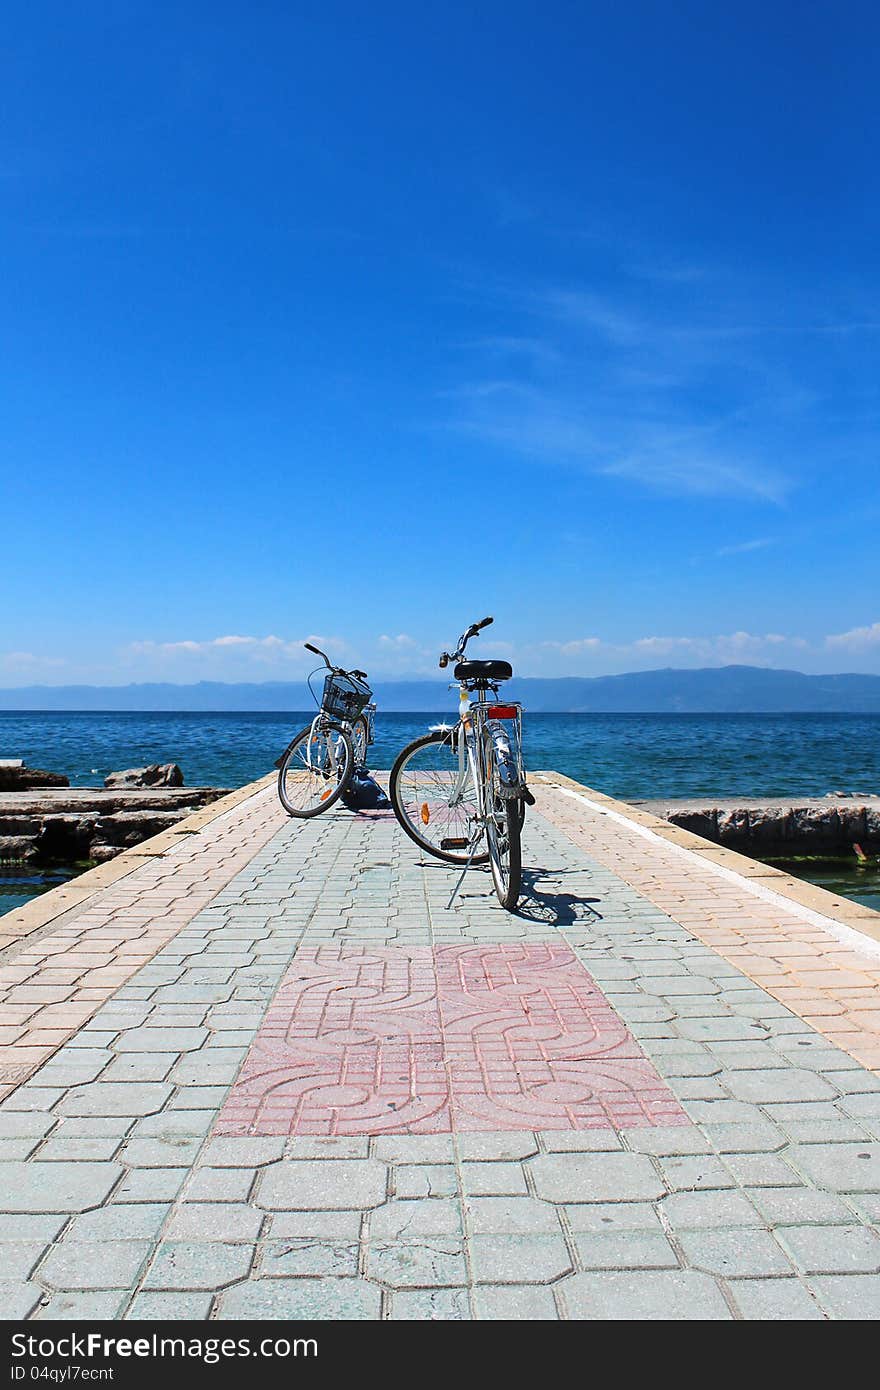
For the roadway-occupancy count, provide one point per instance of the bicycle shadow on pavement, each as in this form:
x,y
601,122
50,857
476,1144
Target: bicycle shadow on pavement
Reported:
x,y
558,909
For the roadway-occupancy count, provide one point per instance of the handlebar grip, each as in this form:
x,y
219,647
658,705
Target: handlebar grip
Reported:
x,y
484,623
309,648
444,660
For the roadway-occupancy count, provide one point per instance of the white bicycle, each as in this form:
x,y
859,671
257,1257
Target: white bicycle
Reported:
x,y
460,785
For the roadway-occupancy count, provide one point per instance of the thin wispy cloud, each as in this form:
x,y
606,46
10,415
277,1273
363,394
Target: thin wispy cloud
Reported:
x,y
745,547
671,388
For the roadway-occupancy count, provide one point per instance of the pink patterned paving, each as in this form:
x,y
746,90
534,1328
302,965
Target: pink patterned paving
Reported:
x,y
414,1041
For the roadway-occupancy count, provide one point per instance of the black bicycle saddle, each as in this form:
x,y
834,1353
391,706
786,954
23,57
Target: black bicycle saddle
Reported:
x,y
483,671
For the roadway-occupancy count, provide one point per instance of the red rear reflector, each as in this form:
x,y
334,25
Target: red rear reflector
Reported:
x,y
502,711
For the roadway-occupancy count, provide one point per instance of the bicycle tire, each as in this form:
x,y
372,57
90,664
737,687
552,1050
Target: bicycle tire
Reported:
x,y
503,840
331,794
397,793
360,725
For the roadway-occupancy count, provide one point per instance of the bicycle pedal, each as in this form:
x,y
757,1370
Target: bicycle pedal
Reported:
x,y
454,844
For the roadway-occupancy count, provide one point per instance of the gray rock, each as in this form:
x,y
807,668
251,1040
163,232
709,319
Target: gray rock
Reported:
x,y
155,775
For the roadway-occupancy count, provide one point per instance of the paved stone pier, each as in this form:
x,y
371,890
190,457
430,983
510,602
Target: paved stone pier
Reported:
x,y
257,1069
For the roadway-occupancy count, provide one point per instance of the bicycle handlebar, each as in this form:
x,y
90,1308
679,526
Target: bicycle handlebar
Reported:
x,y
463,641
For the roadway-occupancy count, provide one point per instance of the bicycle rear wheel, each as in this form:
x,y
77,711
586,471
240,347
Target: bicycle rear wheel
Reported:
x,y
503,830
360,741
315,771
422,790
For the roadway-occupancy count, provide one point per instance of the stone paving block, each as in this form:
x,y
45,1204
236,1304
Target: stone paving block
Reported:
x,y
170,1123
324,1225
60,1148
172,1151
119,1221
696,1210
667,1140
518,1259
300,1257
19,1258
138,1066
602,1217
850,1297
625,1250
150,1185
420,1262
57,1187
30,1227
867,1204
430,1305
425,1180
232,1152
220,1184
323,1184
87,1306
761,1170
754,1137
13,1149
231,1221
404,1219
695,1172
775,1300
493,1179
208,1068
197,1098
514,1303
580,1140
121,1098
839,1167
595,1177
167,1307
832,1249
745,1253
85,1264
781,1084
200,1265
17,1300
489,1147
644,1296
511,1216
24,1124
796,1206
343,1300
174,1040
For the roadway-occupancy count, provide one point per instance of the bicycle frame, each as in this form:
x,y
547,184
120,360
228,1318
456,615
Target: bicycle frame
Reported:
x,y
475,722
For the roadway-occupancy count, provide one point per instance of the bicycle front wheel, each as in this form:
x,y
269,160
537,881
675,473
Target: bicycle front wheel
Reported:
x,y
315,771
434,810
503,829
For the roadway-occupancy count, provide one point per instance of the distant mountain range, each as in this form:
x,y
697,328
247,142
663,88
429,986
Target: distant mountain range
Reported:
x,y
713,690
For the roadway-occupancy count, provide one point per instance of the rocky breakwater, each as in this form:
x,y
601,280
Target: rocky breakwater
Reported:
x,y
86,824
814,826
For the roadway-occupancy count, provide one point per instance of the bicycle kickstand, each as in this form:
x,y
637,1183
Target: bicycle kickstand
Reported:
x,y
460,880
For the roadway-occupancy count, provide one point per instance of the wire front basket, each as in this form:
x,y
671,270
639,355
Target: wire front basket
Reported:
x,y
345,696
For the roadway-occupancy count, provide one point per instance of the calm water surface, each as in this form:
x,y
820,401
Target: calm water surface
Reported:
x,y
631,756
625,755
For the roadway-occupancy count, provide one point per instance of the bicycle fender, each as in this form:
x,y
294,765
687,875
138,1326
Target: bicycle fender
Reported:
x,y
507,769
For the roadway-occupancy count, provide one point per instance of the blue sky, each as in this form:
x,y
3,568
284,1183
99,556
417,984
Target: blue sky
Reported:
x,y
360,322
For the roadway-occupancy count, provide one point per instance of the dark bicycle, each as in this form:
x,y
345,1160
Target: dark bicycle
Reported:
x,y
317,766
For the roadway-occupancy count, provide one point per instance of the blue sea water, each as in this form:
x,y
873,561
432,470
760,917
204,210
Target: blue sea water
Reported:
x,y
626,755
